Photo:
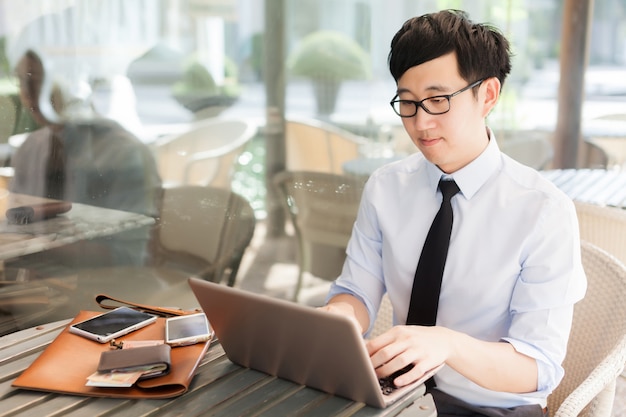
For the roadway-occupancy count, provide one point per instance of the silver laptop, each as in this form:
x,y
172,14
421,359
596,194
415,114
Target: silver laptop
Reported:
x,y
295,342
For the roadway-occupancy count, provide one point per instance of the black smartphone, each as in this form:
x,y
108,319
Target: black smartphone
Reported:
x,y
112,324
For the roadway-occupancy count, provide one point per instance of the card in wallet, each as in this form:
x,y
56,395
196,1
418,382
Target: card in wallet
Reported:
x,y
152,361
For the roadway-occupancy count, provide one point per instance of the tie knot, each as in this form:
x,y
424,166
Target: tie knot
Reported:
x,y
448,189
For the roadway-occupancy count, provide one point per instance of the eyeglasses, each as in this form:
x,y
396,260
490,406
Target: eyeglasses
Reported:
x,y
431,105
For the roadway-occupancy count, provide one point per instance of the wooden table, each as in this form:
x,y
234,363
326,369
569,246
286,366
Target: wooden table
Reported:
x,y
597,186
219,388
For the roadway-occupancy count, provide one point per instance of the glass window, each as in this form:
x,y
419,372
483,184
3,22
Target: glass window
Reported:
x,y
147,114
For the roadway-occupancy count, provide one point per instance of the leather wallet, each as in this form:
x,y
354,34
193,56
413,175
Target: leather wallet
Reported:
x,y
153,360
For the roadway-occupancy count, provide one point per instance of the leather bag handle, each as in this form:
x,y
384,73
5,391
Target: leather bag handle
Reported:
x,y
104,301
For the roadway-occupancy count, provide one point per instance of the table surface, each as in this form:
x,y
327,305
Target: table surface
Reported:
x,y
218,388
80,223
596,186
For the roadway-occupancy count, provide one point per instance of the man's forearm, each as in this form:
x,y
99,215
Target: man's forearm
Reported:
x,y
493,365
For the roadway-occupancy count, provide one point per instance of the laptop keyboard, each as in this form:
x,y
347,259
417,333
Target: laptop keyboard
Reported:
x,y
386,384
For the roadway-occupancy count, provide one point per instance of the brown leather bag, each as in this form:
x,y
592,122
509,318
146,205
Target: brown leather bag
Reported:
x,y
64,366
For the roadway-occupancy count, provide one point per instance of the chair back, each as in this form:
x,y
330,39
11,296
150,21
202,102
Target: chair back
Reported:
x,y
205,154
596,351
592,155
323,208
531,148
615,149
204,228
384,318
313,145
603,226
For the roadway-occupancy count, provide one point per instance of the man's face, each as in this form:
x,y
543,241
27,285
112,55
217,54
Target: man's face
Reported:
x,y
30,74
453,139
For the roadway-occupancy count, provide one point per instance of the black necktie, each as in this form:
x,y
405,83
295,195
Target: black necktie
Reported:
x,y
427,282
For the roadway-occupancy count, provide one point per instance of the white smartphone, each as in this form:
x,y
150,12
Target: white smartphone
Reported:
x,y
187,330
112,324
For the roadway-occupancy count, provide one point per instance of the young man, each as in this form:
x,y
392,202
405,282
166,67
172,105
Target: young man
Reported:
x,y
513,269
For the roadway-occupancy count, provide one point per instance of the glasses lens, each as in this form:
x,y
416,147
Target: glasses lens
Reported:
x,y
437,105
404,108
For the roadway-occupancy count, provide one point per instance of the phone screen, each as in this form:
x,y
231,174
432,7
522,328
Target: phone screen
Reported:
x,y
187,329
120,320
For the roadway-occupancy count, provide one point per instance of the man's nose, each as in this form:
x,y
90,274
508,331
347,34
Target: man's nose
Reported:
x,y
423,120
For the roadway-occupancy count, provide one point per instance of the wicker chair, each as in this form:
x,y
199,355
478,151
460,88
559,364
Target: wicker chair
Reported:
x,y
596,352
384,318
603,226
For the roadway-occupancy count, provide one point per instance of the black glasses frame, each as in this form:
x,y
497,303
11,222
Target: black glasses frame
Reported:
x,y
420,103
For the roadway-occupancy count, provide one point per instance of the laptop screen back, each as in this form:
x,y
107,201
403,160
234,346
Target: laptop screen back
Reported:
x,y
291,341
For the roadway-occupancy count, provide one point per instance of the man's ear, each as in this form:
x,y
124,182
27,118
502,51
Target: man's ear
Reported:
x,y
491,87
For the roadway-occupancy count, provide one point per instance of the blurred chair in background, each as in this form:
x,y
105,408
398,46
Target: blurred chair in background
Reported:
x,y
535,149
204,230
201,231
313,145
322,208
592,155
204,155
614,147
609,134
531,148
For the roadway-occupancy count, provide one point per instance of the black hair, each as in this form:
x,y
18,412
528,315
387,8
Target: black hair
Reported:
x,y
482,51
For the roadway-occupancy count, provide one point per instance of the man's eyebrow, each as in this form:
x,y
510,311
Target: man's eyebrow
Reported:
x,y
435,89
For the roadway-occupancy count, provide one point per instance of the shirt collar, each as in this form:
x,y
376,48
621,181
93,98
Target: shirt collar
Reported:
x,y
471,177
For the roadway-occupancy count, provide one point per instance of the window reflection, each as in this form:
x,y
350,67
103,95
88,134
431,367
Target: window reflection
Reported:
x,y
122,76
80,157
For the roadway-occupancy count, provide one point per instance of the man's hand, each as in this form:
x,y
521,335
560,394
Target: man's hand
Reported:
x,y
423,347
343,309
351,307
493,365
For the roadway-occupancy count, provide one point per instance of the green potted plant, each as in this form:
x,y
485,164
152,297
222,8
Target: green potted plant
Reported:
x,y
328,58
198,92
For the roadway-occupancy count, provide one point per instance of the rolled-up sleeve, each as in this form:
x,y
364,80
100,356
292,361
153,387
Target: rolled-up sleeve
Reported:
x,y
552,280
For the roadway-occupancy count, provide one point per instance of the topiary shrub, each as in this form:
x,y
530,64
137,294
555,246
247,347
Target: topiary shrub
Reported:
x,y
197,90
328,58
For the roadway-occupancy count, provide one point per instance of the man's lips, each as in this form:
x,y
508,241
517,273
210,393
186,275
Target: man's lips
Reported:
x,y
429,141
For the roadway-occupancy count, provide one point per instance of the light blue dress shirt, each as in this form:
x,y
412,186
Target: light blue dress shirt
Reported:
x,y
513,270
